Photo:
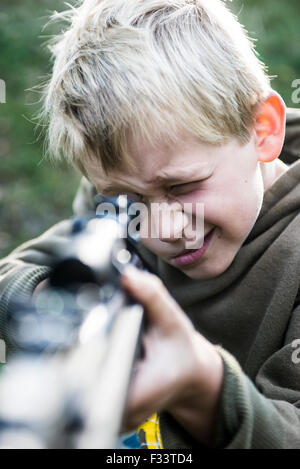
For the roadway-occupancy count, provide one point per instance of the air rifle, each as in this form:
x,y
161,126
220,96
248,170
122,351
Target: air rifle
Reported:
x,y
77,342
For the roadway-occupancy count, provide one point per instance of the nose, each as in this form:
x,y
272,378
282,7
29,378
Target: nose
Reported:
x,y
168,221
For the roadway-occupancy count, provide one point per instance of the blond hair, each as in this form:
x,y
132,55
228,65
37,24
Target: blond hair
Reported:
x,y
155,68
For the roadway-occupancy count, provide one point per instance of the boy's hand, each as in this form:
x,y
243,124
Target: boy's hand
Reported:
x,y
181,371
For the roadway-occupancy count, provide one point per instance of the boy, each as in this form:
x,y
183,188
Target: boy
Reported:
x,y
166,100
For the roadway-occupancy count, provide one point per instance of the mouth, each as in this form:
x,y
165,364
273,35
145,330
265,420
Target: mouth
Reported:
x,y
189,256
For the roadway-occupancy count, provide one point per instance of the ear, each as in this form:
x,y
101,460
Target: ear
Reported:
x,y
269,128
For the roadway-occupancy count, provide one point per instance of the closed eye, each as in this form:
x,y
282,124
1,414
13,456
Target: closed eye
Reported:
x,y
185,188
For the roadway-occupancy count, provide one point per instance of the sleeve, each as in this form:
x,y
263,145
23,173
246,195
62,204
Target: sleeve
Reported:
x,y
30,263
264,414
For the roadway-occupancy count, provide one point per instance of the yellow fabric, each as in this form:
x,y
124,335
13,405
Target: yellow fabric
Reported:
x,y
149,433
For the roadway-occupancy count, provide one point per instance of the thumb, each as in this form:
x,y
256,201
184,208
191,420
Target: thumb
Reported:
x,y
149,290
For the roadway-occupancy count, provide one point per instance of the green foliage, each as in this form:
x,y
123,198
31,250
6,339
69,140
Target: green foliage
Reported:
x,y
275,26
33,194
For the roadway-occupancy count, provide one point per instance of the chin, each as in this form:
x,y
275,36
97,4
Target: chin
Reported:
x,y
196,275
206,272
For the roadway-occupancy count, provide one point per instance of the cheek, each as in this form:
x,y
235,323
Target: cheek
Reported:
x,y
204,202
237,209
152,244
232,204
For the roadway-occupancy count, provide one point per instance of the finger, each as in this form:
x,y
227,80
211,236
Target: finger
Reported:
x,y
149,290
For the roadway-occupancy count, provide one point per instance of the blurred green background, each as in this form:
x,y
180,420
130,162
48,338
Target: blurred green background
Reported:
x,y
34,194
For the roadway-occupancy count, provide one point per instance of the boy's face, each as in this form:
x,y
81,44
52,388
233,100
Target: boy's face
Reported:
x,y
226,179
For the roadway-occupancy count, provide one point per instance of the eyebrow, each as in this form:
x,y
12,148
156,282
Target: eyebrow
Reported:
x,y
110,187
170,177
199,173
167,178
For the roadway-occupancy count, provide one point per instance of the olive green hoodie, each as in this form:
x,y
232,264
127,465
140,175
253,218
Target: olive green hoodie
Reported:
x,y
251,313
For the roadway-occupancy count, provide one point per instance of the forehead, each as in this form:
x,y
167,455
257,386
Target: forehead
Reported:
x,y
155,163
